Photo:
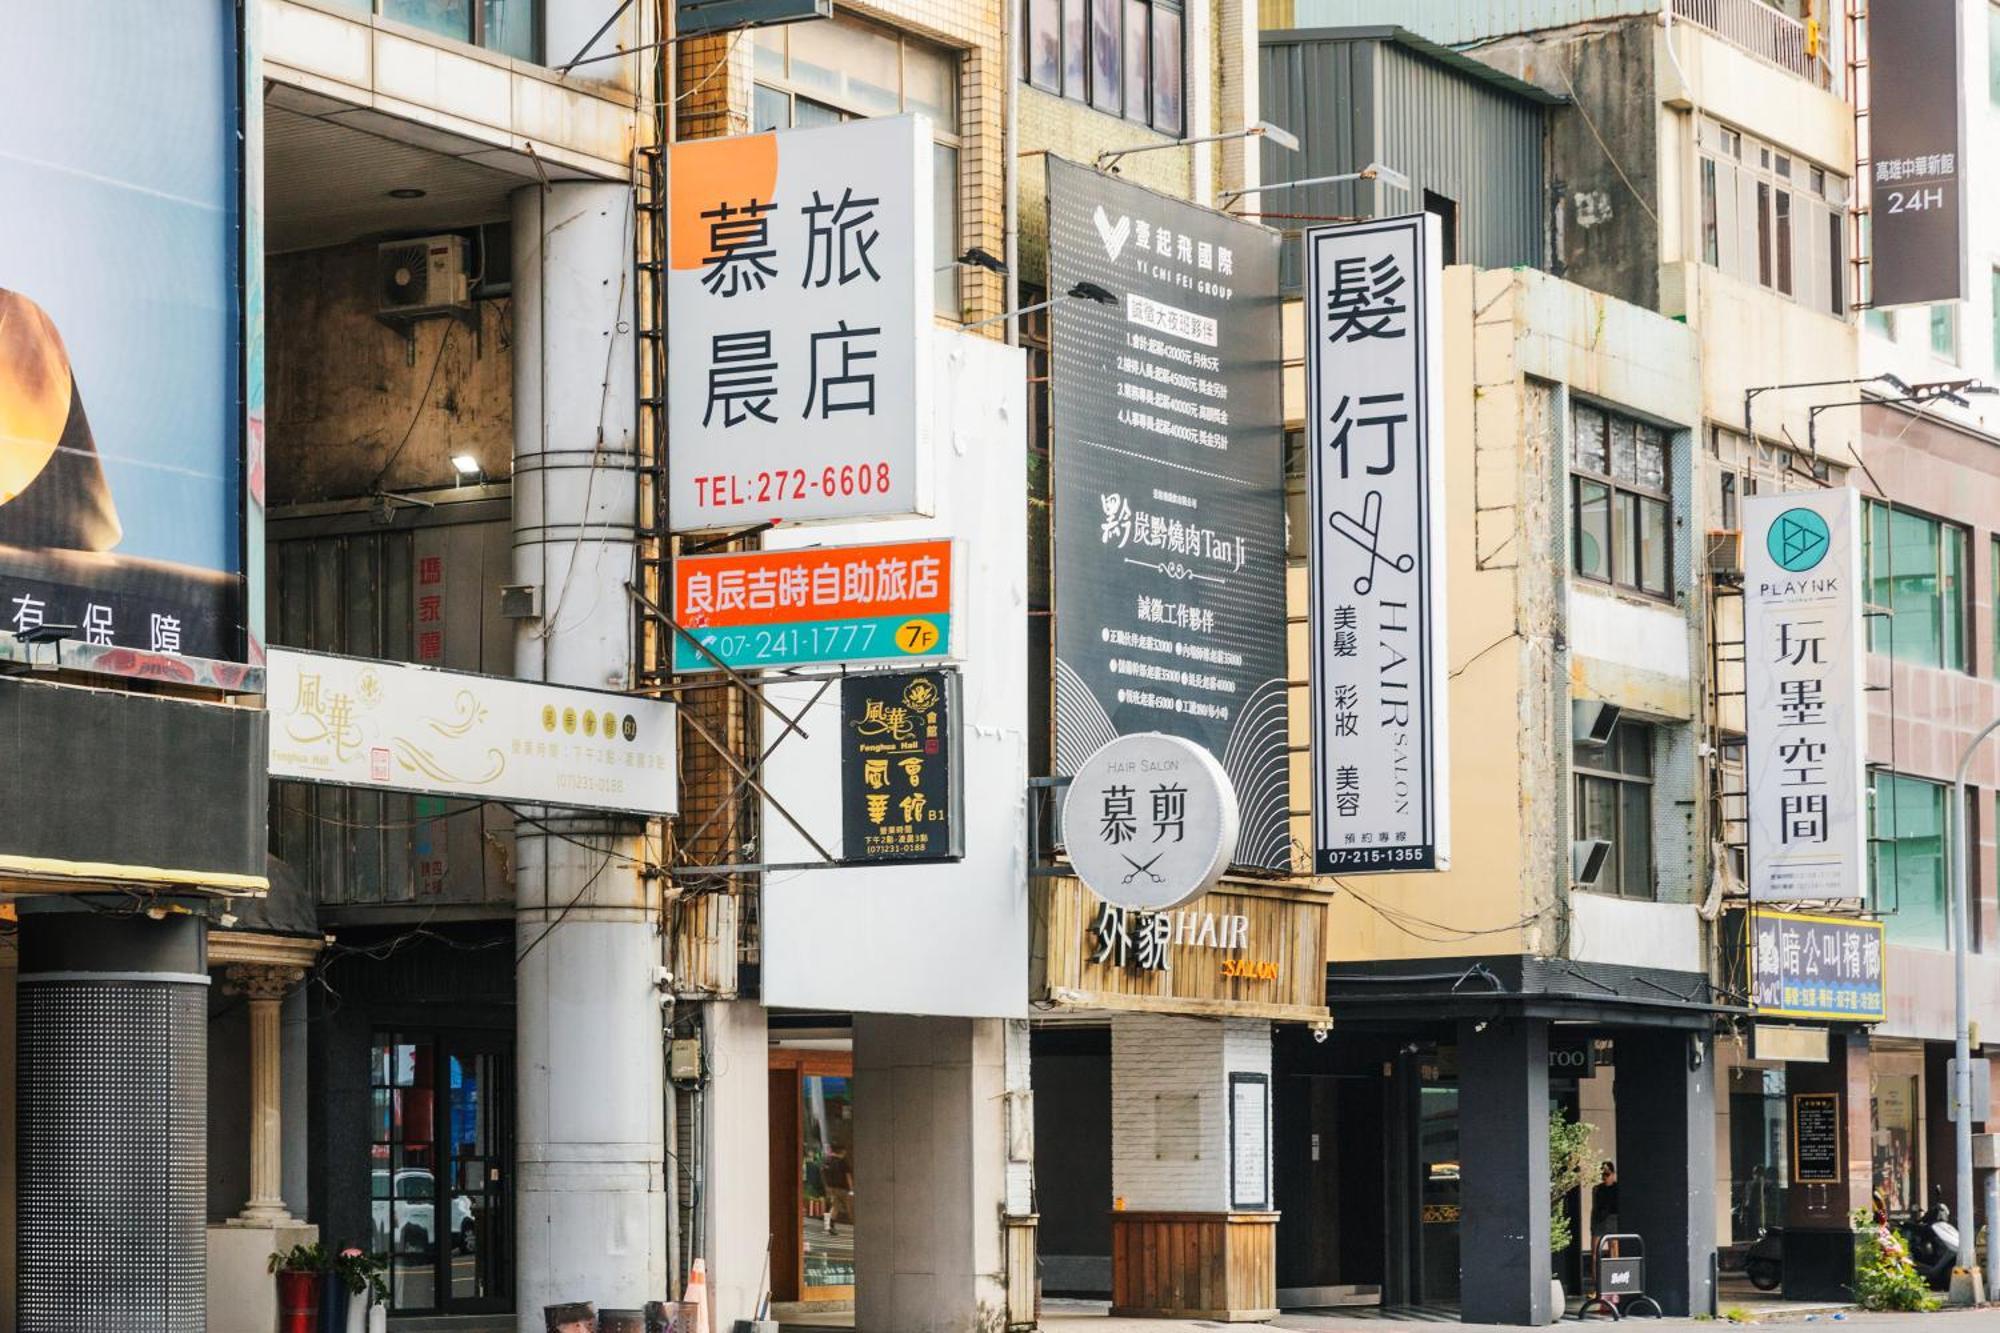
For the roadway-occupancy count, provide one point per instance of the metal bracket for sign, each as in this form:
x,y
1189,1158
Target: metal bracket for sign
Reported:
x,y
746,774
1045,827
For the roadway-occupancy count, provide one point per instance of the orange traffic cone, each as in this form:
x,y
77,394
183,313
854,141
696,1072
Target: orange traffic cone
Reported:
x,y
694,1301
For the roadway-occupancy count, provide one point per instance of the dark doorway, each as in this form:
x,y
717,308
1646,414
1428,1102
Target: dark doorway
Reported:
x,y
1071,1073
1446,209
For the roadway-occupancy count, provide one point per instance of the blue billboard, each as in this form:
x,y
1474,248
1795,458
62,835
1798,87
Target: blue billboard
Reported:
x,y
122,404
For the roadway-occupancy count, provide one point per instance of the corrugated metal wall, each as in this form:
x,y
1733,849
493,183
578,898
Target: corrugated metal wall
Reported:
x,y
1471,143
411,593
1456,22
1355,100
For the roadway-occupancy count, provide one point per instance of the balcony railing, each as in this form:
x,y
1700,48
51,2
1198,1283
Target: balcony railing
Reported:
x,y
1762,31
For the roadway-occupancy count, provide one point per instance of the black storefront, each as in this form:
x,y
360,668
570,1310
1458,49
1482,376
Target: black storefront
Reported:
x,y
1416,1133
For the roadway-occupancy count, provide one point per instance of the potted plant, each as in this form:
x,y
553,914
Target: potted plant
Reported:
x,y
1569,1151
365,1279
301,1273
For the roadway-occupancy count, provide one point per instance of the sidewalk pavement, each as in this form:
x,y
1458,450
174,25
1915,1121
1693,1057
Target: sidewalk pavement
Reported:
x,y
1089,1317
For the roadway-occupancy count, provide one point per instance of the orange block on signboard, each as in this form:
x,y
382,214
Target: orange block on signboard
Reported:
x,y
825,583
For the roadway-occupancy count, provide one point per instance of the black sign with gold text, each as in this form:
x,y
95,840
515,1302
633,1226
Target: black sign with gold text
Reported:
x,y
899,780
1816,1137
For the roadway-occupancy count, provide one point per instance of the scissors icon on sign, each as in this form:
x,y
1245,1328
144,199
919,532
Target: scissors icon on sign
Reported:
x,y
1366,533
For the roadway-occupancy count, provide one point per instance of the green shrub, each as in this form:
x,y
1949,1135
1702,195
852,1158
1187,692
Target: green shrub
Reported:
x,y
1569,1151
1884,1277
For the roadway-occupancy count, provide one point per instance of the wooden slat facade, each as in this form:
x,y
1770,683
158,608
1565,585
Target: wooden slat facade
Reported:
x,y
1195,1265
1286,927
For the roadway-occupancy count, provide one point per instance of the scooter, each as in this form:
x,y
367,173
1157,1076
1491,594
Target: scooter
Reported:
x,y
1764,1261
1932,1241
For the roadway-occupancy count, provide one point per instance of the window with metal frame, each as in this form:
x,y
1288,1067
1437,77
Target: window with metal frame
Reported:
x,y
842,68
1918,589
511,27
1127,58
1614,801
1769,217
1910,834
1621,511
1944,331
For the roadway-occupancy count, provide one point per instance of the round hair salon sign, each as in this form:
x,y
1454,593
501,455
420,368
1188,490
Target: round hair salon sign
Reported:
x,y
1149,821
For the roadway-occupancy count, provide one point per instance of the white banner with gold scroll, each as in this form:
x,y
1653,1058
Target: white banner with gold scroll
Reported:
x,y
360,722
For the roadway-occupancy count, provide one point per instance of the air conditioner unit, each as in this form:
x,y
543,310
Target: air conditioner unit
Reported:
x,y
1725,551
1586,860
422,276
1591,721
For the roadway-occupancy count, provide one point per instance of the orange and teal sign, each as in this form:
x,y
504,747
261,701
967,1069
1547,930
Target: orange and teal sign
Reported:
x,y
883,602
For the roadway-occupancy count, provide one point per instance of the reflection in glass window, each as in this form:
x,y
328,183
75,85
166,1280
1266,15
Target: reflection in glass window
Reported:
x,y
1614,802
826,1118
1916,573
1911,836
838,69
448,18
1124,57
1620,526
510,27
1166,69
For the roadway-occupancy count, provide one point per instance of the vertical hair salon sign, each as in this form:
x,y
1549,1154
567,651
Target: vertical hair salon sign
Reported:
x,y
1802,682
1374,402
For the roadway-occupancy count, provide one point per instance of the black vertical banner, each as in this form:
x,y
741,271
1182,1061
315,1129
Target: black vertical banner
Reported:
x,y
1916,150
899,780
1168,461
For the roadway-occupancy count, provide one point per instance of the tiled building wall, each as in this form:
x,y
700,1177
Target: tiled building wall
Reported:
x,y
1927,715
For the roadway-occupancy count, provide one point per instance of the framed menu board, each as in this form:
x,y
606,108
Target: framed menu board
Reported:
x,y
1816,1137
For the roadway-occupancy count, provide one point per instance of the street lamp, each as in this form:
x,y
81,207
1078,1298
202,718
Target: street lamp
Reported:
x,y
1373,171
1750,395
1922,395
1961,1072
1263,129
1082,291
976,258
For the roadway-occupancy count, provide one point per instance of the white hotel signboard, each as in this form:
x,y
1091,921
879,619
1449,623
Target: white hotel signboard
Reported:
x,y
359,722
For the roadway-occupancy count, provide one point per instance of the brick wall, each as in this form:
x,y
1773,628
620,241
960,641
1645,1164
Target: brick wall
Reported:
x,y
1170,1107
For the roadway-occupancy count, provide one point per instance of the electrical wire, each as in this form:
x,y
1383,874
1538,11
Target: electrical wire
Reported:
x,y
549,622
709,77
444,341
575,898
1609,156
1435,932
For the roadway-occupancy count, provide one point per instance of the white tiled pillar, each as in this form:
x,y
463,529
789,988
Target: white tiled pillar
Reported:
x,y
1170,1108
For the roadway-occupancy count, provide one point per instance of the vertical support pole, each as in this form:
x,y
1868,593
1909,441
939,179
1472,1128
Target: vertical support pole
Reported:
x,y
1503,1132
1665,1095
590,1199
113,1123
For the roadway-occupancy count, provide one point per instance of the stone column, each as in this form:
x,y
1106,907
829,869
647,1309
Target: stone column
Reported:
x,y
264,986
1503,1148
930,1150
590,1201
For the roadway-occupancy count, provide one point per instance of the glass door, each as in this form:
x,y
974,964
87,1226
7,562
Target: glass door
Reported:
x,y
1438,1193
474,1249
438,1167
826,1114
